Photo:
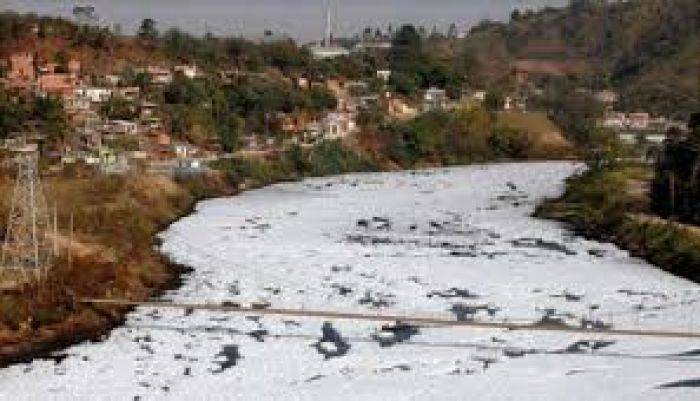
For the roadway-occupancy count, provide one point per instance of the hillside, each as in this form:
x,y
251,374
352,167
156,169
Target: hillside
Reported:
x,y
646,49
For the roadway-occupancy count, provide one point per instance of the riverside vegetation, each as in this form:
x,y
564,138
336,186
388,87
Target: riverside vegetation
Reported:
x,y
632,205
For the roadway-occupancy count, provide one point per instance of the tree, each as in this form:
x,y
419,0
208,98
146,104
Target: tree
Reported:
x,y
117,108
406,51
494,100
49,111
675,190
231,133
147,30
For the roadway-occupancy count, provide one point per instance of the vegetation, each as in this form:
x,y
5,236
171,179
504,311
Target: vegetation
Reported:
x,y
612,204
471,134
676,186
116,219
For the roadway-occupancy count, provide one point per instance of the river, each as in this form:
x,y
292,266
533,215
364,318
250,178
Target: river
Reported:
x,y
450,242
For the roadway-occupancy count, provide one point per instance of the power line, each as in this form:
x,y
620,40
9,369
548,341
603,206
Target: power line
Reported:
x,y
414,319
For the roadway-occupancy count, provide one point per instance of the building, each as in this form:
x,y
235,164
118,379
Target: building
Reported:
x,y
148,110
57,84
337,125
384,75
130,93
434,99
607,97
94,94
22,71
321,52
326,49
158,75
122,127
188,71
638,121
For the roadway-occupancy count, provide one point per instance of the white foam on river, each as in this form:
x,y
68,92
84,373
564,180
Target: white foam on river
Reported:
x,y
424,242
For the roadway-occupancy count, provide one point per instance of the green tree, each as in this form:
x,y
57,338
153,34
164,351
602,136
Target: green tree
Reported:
x,y
406,51
148,30
118,109
231,133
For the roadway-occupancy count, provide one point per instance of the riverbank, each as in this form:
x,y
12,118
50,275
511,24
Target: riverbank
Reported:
x,y
113,252
612,206
455,242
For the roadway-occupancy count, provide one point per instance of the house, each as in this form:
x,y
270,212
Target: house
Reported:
x,y
188,71
94,94
130,93
607,97
148,110
124,127
515,102
312,131
184,150
112,80
328,52
478,95
21,70
615,120
638,121
434,99
337,125
398,108
57,84
158,75
384,75
303,83
373,44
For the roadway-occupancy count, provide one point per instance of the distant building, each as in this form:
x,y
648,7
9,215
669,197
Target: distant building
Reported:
x,y
21,70
320,52
434,99
384,75
607,97
638,121
373,44
158,75
57,84
188,71
337,125
633,126
94,94
326,49
124,127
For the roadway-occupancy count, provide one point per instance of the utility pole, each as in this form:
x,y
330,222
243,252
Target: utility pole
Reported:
x,y
27,250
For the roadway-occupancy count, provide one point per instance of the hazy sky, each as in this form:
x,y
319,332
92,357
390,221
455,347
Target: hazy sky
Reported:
x,y
301,19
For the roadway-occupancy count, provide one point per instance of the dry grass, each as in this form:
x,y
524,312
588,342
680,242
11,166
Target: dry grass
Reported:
x,y
546,138
115,222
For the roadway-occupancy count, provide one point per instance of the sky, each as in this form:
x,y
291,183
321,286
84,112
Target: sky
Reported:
x,y
301,19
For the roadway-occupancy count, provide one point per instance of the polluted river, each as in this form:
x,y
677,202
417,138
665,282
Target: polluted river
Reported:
x,y
458,243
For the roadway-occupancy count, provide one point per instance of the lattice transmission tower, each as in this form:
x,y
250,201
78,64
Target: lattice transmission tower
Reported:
x,y
28,249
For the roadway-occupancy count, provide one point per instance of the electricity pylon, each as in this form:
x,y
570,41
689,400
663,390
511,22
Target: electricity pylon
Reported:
x,y
28,249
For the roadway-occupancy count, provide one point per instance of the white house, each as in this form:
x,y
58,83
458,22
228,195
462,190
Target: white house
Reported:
x,y
189,71
94,94
123,127
434,99
328,52
337,125
384,75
